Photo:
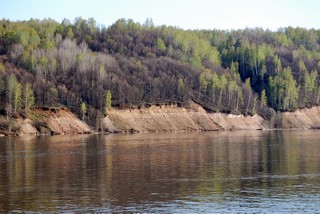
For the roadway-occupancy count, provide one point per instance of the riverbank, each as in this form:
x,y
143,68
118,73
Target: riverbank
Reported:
x,y
171,118
156,118
44,121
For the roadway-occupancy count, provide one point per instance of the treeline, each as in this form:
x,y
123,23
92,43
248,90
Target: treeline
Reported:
x,y
88,68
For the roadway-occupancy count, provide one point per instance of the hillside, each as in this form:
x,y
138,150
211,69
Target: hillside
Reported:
x,y
90,69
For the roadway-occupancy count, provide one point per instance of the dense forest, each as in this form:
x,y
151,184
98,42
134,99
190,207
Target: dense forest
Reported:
x,y
89,68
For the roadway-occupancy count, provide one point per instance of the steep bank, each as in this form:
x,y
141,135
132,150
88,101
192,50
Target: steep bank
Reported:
x,y
171,118
165,118
239,122
45,121
308,118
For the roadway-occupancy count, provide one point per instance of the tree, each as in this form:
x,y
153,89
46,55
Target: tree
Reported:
x,y
181,89
160,44
11,89
215,86
239,98
108,97
148,23
51,97
291,90
203,83
315,87
248,88
232,89
16,51
222,87
83,109
17,101
28,97
263,98
234,66
283,90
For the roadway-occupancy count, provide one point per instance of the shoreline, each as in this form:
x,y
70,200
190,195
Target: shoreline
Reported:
x,y
155,132
157,119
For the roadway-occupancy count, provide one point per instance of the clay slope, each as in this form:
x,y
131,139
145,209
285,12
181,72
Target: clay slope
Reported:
x,y
60,121
166,118
308,118
174,119
239,122
44,121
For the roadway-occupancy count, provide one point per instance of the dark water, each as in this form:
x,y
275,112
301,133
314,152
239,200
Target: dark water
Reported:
x,y
213,172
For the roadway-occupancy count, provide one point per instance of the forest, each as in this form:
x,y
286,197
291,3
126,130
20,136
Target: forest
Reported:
x,y
89,68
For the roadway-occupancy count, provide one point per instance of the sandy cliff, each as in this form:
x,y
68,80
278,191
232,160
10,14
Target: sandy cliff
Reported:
x,y
61,121
239,122
173,119
169,118
165,118
308,118
46,121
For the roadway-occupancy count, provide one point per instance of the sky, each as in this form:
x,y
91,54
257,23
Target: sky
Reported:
x,y
186,14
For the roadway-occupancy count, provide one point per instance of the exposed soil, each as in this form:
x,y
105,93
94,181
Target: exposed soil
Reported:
x,y
308,118
239,122
45,121
165,118
171,118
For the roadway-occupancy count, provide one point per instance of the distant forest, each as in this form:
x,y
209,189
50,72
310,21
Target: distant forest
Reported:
x,y
89,68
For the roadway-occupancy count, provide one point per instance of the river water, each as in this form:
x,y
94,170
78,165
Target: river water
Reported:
x,y
204,172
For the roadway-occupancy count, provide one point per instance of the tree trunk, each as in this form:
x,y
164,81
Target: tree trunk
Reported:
x,y
220,97
237,104
318,96
248,103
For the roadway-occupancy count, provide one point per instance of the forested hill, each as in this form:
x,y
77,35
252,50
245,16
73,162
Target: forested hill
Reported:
x,y
89,68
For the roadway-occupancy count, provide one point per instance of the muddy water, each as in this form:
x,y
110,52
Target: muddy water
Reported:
x,y
246,172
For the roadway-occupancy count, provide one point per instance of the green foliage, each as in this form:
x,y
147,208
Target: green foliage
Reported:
x,y
129,64
247,83
108,98
283,91
83,109
263,98
28,97
2,68
203,81
17,100
234,66
160,44
11,92
195,61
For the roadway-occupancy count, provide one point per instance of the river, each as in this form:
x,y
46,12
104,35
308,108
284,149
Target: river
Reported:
x,y
202,172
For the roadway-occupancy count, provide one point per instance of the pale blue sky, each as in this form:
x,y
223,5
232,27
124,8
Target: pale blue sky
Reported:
x,y
187,14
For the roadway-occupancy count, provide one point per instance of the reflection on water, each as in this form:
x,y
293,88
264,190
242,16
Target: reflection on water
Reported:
x,y
258,171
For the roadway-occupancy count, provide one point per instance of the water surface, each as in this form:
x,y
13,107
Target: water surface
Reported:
x,y
237,172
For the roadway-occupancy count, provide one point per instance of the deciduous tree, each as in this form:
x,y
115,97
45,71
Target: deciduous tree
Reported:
x,y
28,97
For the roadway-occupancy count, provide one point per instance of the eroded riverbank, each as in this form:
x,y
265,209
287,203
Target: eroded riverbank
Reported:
x,y
160,118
